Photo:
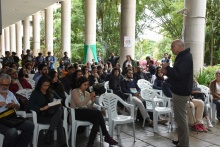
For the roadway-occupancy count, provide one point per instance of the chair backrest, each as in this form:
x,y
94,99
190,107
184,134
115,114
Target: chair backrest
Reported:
x,y
34,114
149,95
32,82
68,101
31,76
25,92
109,101
142,83
204,89
106,85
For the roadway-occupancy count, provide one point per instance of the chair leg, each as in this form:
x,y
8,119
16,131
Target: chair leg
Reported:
x,y
134,130
118,130
155,121
35,136
73,137
144,122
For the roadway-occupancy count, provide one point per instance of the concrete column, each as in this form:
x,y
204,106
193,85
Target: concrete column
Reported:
x,y
36,33
12,38
19,30
90,31
7,39
26,34
194,35
3,43
49,29
66,27
127,41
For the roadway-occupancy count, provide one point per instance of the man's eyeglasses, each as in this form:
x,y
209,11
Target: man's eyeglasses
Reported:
x,y
218,73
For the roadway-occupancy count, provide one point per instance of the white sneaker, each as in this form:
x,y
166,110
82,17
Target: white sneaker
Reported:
x,y
209,124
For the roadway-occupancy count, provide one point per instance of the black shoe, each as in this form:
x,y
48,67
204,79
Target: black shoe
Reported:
x,y
175,142
49,137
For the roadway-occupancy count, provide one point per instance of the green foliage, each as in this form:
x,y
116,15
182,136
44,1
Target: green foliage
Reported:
x,y
206,75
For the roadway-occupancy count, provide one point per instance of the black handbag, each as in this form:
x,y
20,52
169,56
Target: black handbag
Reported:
x,y
200,96
10,119
51,110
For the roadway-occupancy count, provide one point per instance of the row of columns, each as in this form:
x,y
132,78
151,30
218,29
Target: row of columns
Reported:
x,y
11,38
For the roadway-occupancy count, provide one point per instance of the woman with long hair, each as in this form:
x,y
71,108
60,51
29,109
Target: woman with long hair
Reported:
x,y
39,99
82,101
56,85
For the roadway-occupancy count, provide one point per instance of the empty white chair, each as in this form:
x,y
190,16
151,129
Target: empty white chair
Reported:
x,y
152,104
142,83
109,101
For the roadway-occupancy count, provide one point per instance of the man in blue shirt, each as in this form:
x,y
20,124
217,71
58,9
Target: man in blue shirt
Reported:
x,y
50,61
8,100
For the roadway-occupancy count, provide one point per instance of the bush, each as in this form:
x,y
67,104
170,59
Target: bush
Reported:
x,y
206,75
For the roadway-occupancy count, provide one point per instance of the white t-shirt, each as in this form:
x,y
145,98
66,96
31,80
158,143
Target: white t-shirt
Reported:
x,y
217,88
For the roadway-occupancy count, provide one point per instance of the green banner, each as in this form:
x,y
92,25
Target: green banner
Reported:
x,y
93,49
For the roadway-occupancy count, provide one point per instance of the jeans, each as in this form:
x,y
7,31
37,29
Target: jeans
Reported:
x,y
13,139
217,102
96,118
55,122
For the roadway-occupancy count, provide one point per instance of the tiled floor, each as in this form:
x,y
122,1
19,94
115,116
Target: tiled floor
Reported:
x,y
146,138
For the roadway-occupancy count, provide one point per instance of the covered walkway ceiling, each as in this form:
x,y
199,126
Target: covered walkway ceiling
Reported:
x,y
16,10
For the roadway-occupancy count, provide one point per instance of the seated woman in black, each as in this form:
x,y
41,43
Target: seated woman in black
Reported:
x,y
56,85
39,99
159,80
82,101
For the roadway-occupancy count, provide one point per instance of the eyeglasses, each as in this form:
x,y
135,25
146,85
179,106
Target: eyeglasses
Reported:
x,y
218,73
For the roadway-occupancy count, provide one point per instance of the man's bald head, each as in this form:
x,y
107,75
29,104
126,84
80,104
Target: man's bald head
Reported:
x,y
177,46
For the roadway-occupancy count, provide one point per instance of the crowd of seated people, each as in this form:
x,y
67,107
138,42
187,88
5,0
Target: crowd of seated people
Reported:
x,y
76,80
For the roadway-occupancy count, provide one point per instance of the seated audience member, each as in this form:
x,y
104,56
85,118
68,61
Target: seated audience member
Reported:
x,y
14,65
95,82
151,69
158,81
128,85
11,136
196,93
215,91
82,101
56,85
60,69
29,69
23,73
94,77
5,67
101,74
106,69
114,84
43,70
38,102
65,72
15,57
196,106
139,74
7,59
17,82
76,65
67,81
129,62
76,75
85,71
166,88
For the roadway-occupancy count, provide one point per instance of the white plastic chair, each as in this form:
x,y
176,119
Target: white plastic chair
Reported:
x,y
25,93
39,126
31,76
76,123
21,113
106,85
142,83
109,101
32,82
152,104
206,90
